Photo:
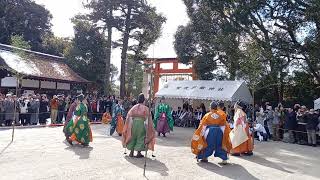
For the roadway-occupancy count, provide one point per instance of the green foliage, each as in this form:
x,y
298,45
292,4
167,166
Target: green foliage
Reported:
x,y
302,89
19,42
134,77
55,45
87,52
259,41
137,21
24,18
251,65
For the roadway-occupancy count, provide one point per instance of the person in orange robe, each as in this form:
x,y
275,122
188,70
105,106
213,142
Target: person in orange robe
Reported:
x,y
211,136
240,121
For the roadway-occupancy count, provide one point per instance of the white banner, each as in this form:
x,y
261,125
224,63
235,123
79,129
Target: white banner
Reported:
x,y
48,85
30,83
9,82
63,86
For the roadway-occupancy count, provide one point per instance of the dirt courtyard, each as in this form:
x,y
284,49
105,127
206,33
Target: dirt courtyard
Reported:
x,y
41,153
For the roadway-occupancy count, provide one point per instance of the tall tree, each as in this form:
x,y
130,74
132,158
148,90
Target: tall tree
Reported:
x,y
136,17
87,51
151,24
24,18
103,14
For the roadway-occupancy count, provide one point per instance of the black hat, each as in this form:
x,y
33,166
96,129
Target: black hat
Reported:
x,y
241,104
214,105
80,97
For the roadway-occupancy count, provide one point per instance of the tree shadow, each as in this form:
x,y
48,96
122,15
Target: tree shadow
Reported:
x,y
264,162
79,150
232,171
5,148
152,165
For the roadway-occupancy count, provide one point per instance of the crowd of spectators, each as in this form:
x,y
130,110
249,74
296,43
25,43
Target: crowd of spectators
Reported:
x,y
295,124
34,109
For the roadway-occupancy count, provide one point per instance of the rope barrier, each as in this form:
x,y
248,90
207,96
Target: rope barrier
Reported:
x,y
91,113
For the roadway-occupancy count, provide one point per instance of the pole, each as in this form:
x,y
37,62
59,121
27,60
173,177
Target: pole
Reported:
x,y
150,106
253,116
15,108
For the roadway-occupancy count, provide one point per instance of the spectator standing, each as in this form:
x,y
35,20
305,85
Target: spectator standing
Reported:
x,y
24,102
54,103
276,124
100,108
43,110
291,124
67,106
61,108
108,105
8,110
33,109
17,110
94,109
268,120
1,110
312,123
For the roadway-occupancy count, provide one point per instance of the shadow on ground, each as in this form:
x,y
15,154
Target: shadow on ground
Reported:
x,y
152,165
79,150
232,171
5,148
264,162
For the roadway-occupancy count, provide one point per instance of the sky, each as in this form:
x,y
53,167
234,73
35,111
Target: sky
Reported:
x,y
174,10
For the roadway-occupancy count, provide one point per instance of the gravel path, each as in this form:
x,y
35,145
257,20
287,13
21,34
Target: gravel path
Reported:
x,y
41,153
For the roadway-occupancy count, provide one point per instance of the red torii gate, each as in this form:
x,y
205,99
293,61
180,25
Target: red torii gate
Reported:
x,y
175,70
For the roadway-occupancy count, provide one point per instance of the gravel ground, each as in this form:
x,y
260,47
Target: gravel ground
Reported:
x,y
41,153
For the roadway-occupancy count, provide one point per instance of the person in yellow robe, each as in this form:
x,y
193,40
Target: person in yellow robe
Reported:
x,y
212,136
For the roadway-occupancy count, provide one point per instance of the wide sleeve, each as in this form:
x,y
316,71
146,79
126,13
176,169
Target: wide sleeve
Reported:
x,y
156,116
169,117
198,142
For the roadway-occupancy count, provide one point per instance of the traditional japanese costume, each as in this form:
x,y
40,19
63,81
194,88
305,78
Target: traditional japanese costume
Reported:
x,y
79,127
163,121
117,120
241,138
138,129
212,136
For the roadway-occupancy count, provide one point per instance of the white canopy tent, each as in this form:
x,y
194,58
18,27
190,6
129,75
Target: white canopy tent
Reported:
x,y
317,104
200,90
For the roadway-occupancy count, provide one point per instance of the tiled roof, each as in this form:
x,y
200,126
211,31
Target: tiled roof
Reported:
x,y
38,65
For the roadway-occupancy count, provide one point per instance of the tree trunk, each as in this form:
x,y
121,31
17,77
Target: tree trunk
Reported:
x,y
124,52
107,88
131,75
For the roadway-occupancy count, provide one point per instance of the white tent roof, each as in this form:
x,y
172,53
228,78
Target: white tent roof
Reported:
x,y
317,104
206,90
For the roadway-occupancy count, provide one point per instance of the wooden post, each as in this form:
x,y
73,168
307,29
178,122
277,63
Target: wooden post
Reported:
x,y
15,107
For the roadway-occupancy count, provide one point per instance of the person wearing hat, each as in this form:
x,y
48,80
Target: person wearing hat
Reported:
x,y
79,126
163,121
117,122
241,138
212,136
138,132
312,123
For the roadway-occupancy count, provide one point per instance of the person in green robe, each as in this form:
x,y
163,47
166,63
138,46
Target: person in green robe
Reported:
x,y
163,121
79,127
